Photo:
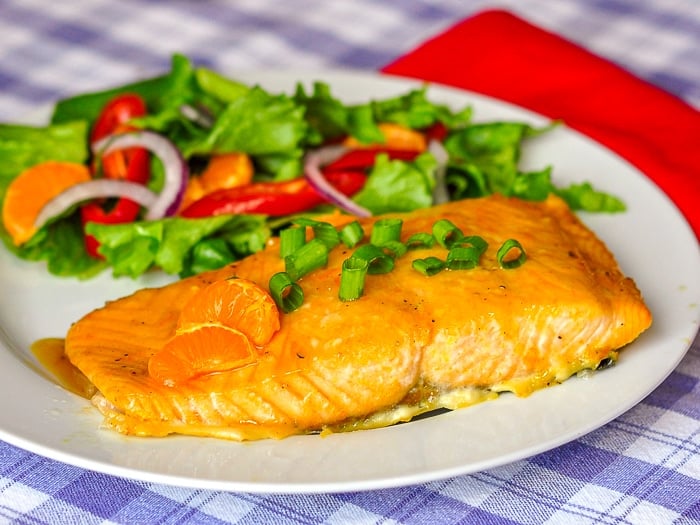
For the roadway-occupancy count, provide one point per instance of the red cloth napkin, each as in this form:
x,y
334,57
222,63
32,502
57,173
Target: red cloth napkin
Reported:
x,y
503,56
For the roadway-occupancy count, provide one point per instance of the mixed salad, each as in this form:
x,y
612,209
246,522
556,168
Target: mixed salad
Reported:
x,y
191,170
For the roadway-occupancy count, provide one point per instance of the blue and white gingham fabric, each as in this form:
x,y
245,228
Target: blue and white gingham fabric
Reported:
x,y
642,468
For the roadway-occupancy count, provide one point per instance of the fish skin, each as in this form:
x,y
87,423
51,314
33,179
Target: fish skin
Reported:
x,y
409,338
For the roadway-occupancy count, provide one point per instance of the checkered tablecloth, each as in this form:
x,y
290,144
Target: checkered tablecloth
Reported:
x,y
643,467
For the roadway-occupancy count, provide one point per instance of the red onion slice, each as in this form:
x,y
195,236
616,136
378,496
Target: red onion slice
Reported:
x,y
312,171
176,169
95,189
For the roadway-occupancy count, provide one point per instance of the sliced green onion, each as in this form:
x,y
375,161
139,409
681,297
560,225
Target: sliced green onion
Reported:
x,y
475,241
466,253
324,231
504,251
352,278
462,258
327,233
420,240
394,249
428,266
378,261
306,221
313,255
351,234
286,293
386,230
446,233
291,239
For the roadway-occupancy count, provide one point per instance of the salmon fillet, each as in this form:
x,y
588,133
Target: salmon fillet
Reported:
x,y
410,344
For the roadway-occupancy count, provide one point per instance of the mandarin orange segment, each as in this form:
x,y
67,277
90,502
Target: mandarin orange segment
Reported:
x,y
193,192
227,170
200,350
395,137
236,303
29,192
224,171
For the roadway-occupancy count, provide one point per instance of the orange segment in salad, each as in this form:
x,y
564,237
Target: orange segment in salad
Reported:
x,y
32,189
224,171
395,137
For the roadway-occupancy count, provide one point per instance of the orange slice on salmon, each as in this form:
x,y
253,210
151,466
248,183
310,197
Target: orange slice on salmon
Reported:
x,y
235,303
202,349
217,330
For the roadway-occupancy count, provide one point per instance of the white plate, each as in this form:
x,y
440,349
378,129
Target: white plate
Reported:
x,y
653,244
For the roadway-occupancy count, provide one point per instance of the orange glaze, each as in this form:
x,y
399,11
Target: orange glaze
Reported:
x,y
408,340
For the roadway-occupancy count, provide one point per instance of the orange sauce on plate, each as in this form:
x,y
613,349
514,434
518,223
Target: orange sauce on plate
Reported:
x,y
50,353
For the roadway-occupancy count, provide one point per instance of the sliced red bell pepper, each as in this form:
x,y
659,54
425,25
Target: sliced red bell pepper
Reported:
x,y
364,158
132,164
115,113
437,131
273,198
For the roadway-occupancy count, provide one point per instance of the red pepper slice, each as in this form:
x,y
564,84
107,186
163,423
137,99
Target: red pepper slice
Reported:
x,y
364,158
132,164
124,210
437,131
273,198
115,113
113,118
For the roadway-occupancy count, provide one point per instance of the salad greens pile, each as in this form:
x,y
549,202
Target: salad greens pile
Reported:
x,y
275,130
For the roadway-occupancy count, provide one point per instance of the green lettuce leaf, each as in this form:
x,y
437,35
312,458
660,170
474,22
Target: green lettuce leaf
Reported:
x,y
489,154
218,86
159,93
414,110
585,197
326,115
61,246
24,146
270,128
533,185
178,245
398,186
484,159
330,119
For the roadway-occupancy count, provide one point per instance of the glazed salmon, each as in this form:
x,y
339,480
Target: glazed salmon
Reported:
x,y
409,344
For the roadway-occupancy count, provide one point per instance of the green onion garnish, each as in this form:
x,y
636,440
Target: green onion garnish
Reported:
x,y
378,261
351,234
313,255
286,293
446,233
462,258
428,266
291,239
504,251
394,249
420,240
324,231
479,243
466,253
386,230
352,278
